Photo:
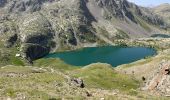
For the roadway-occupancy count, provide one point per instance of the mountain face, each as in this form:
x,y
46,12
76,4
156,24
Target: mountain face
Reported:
x,y
163,10
41,26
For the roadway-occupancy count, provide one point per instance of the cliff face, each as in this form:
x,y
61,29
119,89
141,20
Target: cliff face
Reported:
x,y
117,8
57,24
122,8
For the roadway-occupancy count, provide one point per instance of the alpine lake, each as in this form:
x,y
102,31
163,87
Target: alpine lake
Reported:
x,y
113,55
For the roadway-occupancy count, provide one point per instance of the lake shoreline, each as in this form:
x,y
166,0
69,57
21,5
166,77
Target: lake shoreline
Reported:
x,y
103,54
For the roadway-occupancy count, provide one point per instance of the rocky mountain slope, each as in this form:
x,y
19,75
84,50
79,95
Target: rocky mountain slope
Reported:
x,y
163,10
50,25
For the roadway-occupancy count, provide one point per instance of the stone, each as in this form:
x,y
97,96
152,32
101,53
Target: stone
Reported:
x,y
88,94
18,55
102,99
167,71
77,82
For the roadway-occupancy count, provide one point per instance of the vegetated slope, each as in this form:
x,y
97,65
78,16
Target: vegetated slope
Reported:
x,y
46,83
50,25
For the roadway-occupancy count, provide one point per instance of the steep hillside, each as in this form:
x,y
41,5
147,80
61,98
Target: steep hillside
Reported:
x,y
163,10
51,25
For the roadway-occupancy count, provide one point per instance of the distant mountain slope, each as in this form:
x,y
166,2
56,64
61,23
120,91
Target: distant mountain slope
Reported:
x,y
50,25
163,10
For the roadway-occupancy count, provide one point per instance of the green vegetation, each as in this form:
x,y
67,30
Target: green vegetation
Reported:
x,y
15,80
103,31
87,34
42,84
143,23
121,34
53,63
103,76
7,56
141,62
145,61
8,59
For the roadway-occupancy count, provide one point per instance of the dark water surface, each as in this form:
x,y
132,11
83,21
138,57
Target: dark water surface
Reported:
x,y
160,36
114,55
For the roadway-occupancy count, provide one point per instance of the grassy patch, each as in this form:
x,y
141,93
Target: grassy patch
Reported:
x,y
9,59
145,61
7,56
103,31
121,34
141,62
105,77
38,94
53,63
143,24
10,92
16,69
46,78
17,61
24,80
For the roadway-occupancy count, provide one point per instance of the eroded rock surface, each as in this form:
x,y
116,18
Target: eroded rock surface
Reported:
x,y
159,83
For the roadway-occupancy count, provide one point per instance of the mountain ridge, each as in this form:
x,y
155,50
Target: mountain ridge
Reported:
x,y
163,10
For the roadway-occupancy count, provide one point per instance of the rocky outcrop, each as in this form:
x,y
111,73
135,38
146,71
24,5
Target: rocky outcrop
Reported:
x,y
11,40
35,28
151,17
33,51
77,82
123,9
18,6
35,35
116,8
159,83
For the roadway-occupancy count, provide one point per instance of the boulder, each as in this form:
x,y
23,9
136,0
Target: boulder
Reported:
x,y
77,82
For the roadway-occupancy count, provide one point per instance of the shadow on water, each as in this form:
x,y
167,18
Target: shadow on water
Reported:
x,y
160,36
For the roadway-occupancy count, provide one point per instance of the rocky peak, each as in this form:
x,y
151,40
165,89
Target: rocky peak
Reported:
x,y
123,9
23,5
116,8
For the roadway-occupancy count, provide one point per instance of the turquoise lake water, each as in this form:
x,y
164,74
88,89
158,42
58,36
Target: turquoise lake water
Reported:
x,y
114,55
